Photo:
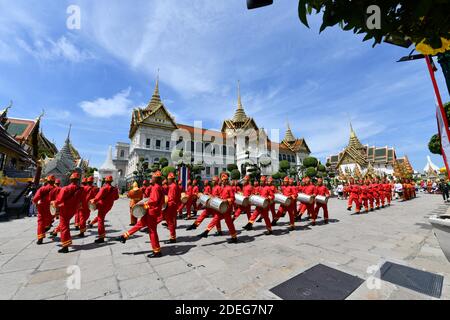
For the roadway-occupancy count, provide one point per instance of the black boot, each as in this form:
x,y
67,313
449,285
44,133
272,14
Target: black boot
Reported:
x,y
325,221
121,239
232,240
291,228
90,225
268,232
248,226
204,234
53,234
349,208
100,240
259,220
164,224
155,255
192,227
40,241
81,235
274,222
219,233
47,228
77,228
64,250
171,241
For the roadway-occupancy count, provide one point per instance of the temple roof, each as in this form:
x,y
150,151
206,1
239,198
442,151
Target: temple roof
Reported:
x,y
289,136
64,160
239,115
354,141
240,120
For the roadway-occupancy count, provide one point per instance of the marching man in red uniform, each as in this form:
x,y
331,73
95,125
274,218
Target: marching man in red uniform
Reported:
x,y
354,191
80,211
135,195
272,190
288,191
321,190
170,213
264,191
68,201
364,197
215,192
309,189
104,200
225,194
247,191
150,219
42,200
375,193
89,193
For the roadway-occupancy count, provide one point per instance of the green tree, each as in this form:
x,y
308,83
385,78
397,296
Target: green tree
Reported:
x,y
420,20
321,168
231,167
235,174
310,162
163,162
311,172
435,144
166,170
284,166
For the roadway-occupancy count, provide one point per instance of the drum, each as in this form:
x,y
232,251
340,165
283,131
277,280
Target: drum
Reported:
x,y
166,201
218,204
184,197
241,200
54,210
282,199
92,206
204,199
259,201
305,198
321,199
138,211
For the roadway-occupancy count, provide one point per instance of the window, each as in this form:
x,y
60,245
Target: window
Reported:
x,y
122,153
216,171
280,156
208,171
224,150
284,157
192,146
158,144
167,145
147,143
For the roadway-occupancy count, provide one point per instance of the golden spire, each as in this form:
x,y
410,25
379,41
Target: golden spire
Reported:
x,y
354,141
239,115
289,136
156,98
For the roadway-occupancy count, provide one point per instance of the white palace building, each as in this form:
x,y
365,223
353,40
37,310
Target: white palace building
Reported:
x,y
155,134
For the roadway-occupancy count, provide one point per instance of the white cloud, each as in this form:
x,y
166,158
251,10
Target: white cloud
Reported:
x,y
51,50
118,105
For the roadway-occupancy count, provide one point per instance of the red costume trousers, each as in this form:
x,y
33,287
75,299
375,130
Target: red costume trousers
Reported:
x,y
206,213
101,223
290,210
306,207
365,202
44,220
264,214
324,208
84,217
227,217
272,210
170,215
241,209
64,226
151,222
354,198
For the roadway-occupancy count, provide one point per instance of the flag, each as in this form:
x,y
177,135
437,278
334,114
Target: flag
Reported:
x,y
183,176
444,134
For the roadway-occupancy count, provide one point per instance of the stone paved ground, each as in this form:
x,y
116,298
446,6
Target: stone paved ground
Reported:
x,y
212,269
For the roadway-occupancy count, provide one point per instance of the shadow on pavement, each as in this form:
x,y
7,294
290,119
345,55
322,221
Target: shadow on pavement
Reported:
x,y
174,250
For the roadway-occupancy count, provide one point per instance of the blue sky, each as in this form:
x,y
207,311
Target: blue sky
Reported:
x,y
94,76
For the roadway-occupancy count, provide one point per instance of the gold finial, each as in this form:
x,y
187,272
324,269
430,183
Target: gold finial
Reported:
x,y
239,95
68,134
289,136
156,98
239,116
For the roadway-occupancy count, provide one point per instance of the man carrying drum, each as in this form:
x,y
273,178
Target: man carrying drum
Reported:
x,y
288,191
228,195
153,209
170,212
321,190
42,200
264,191
68,201
247,191
135,195
104,200
272,190
215,192
89,193
309,189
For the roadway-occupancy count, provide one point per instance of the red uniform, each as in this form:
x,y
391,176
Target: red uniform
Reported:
x,y
105,200
135,195
42,200
225,194
321,191
354,191
265,192
170,213
247,191
150,219
310,190
289,191
89,193
216,192
69,200
272,190
375,194
364,197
